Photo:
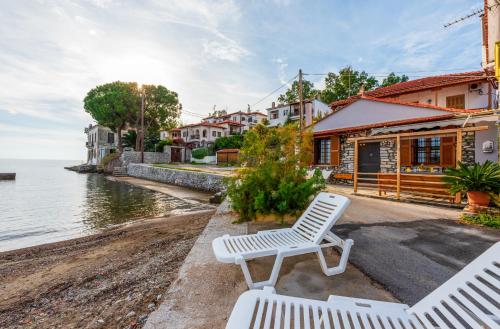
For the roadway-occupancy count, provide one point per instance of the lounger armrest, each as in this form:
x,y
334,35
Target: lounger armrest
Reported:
x,y
360,303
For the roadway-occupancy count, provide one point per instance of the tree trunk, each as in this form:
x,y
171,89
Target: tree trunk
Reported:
x,y
120,144
138,139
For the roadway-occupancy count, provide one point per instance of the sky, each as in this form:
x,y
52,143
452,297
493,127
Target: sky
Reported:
x,y
223,53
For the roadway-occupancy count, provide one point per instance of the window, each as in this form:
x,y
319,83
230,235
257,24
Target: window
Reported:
x,y
185,134
250,119
242,118
214,133
324,151
427,151
274,115
219,134
456,102
204,133
235,118
111,138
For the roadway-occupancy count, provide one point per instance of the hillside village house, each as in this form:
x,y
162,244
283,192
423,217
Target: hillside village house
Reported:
x,y
101,141
238,121
277,115
400,138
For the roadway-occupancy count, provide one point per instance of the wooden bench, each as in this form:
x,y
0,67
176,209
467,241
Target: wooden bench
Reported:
x,y
342,176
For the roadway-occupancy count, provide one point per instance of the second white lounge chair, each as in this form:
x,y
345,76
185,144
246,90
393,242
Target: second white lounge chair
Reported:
x,y
470,299
306,236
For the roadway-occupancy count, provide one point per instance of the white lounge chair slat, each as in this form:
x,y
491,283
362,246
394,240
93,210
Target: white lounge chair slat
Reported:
x,y
455,304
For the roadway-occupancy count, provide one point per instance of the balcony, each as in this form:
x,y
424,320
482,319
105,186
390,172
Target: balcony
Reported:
x,y
194,137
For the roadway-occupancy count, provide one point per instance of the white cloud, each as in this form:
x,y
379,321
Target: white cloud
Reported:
x,y
229,50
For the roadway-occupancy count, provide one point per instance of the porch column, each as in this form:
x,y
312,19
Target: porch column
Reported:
x,y
355,166
398,166
458,158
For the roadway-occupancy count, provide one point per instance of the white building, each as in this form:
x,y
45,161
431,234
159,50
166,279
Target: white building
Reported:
x,y
201,134
246,120
101,141
279,114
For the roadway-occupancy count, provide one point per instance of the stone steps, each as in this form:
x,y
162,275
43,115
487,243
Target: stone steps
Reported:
x,y
120,171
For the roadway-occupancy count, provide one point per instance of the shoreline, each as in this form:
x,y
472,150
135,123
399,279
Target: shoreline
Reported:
x,y
113,278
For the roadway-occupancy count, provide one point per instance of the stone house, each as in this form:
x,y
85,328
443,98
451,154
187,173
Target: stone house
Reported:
x,y
101,141
383,143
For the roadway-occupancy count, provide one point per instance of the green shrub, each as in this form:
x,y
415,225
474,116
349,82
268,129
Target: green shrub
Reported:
x,y
273,180
228,142
199,153
161,144
477,177
483,219
108,158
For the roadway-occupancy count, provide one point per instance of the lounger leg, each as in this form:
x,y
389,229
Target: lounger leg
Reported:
x,y
272,279
343,260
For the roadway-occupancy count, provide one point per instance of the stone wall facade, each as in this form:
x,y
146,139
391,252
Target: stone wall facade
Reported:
x,y
195,180
388,161
128,157
468,148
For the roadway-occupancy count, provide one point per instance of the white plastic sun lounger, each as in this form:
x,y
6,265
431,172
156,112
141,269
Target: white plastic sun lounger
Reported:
x,y
306,236
470,299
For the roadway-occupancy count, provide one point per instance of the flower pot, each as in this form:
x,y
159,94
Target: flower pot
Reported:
x,y
478,199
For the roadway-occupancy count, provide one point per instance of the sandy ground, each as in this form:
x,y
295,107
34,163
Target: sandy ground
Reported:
x,y
109,280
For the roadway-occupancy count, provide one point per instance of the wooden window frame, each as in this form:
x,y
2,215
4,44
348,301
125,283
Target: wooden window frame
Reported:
x,y
451,100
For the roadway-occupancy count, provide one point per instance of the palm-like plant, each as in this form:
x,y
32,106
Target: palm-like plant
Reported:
x,y
477,177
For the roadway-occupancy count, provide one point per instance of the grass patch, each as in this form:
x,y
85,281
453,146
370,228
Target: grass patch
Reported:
x,y
489,220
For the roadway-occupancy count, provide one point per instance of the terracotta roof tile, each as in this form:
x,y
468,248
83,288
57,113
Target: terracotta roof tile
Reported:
x,y
422,105
417,85
383,124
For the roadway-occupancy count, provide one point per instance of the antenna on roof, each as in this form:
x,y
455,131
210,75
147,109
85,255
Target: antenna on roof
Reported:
x,y
475,12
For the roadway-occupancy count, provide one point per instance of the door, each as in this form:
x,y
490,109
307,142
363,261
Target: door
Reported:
x,y
176,154
369,157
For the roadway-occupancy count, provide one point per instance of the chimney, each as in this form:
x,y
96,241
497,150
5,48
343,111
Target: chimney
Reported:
x,y
273,105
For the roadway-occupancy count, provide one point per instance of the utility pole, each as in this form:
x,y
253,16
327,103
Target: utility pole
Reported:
x,y
142,125
301,103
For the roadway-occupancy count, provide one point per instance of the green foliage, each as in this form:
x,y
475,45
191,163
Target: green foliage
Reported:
x,y
491,220
199,153
108,158
477,177
161,108
346,83
228,142
292,94
129,139
162,143
273,180
393,79
113,105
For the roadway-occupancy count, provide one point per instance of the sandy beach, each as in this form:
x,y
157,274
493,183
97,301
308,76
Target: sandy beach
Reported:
x,y
113,279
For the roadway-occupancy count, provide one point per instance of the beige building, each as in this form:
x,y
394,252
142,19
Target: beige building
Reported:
x,y
245,120
491,32
101,141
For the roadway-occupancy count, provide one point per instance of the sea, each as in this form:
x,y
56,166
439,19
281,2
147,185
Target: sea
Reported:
x,y
47,203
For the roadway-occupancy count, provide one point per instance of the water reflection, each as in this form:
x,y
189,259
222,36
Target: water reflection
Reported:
x,y
109,203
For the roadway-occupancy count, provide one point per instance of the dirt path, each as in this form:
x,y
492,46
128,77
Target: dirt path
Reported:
x,y
108,280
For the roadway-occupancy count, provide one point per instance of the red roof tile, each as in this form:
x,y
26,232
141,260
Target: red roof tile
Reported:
x,y
383,124
428,106
417,85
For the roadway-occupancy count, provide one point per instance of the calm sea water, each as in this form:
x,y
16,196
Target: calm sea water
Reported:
x,y
47,203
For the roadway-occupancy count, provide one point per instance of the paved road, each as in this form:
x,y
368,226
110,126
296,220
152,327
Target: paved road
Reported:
x,y
410,249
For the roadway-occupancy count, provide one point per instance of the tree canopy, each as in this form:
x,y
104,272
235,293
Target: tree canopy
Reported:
x,y
346,83
392,78
113,105
292,94
118,104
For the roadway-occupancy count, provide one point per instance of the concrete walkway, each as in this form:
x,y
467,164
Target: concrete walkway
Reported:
x,y
206,290
410,249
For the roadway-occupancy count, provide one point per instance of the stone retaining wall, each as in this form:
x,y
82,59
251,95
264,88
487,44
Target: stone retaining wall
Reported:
x,y
149,157
195,180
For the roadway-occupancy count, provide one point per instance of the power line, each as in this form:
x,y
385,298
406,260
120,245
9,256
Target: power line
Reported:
x,y
275,90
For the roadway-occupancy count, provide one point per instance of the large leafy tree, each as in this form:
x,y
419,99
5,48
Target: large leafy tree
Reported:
x,y
112,105
347,82
292,94
392,78
161,110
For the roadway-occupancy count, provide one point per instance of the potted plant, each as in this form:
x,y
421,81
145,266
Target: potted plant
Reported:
x,y
477,180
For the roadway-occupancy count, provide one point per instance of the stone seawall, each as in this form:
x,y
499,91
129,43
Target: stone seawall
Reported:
x,y
196,180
